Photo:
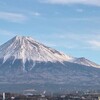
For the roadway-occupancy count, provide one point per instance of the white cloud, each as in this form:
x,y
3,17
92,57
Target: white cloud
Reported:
x,y
94,43
90,19
89,2
35,13
71,40
12,17
6,33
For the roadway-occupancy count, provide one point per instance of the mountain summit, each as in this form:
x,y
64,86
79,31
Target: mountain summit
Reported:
x,y
27,49
26,61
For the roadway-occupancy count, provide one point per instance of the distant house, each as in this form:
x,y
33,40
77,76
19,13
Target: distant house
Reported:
x,y
99,98
29,92
42,98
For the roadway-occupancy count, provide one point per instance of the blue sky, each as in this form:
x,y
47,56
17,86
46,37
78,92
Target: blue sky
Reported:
x,y
70,26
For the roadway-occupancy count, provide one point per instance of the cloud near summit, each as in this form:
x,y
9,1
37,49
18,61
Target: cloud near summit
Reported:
x,y
86,2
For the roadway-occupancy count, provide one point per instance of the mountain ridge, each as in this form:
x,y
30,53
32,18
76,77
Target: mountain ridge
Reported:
x,y
26,48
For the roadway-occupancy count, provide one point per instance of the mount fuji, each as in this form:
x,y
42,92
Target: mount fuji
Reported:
x,y
26,61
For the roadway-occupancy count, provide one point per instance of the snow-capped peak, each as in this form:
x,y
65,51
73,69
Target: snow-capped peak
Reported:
x,y
22,37
25,48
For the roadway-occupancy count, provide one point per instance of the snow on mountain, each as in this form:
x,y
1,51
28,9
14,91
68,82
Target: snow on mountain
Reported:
x,y
86,62
26,48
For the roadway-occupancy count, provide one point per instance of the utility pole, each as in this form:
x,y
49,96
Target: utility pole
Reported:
x,y
4,97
